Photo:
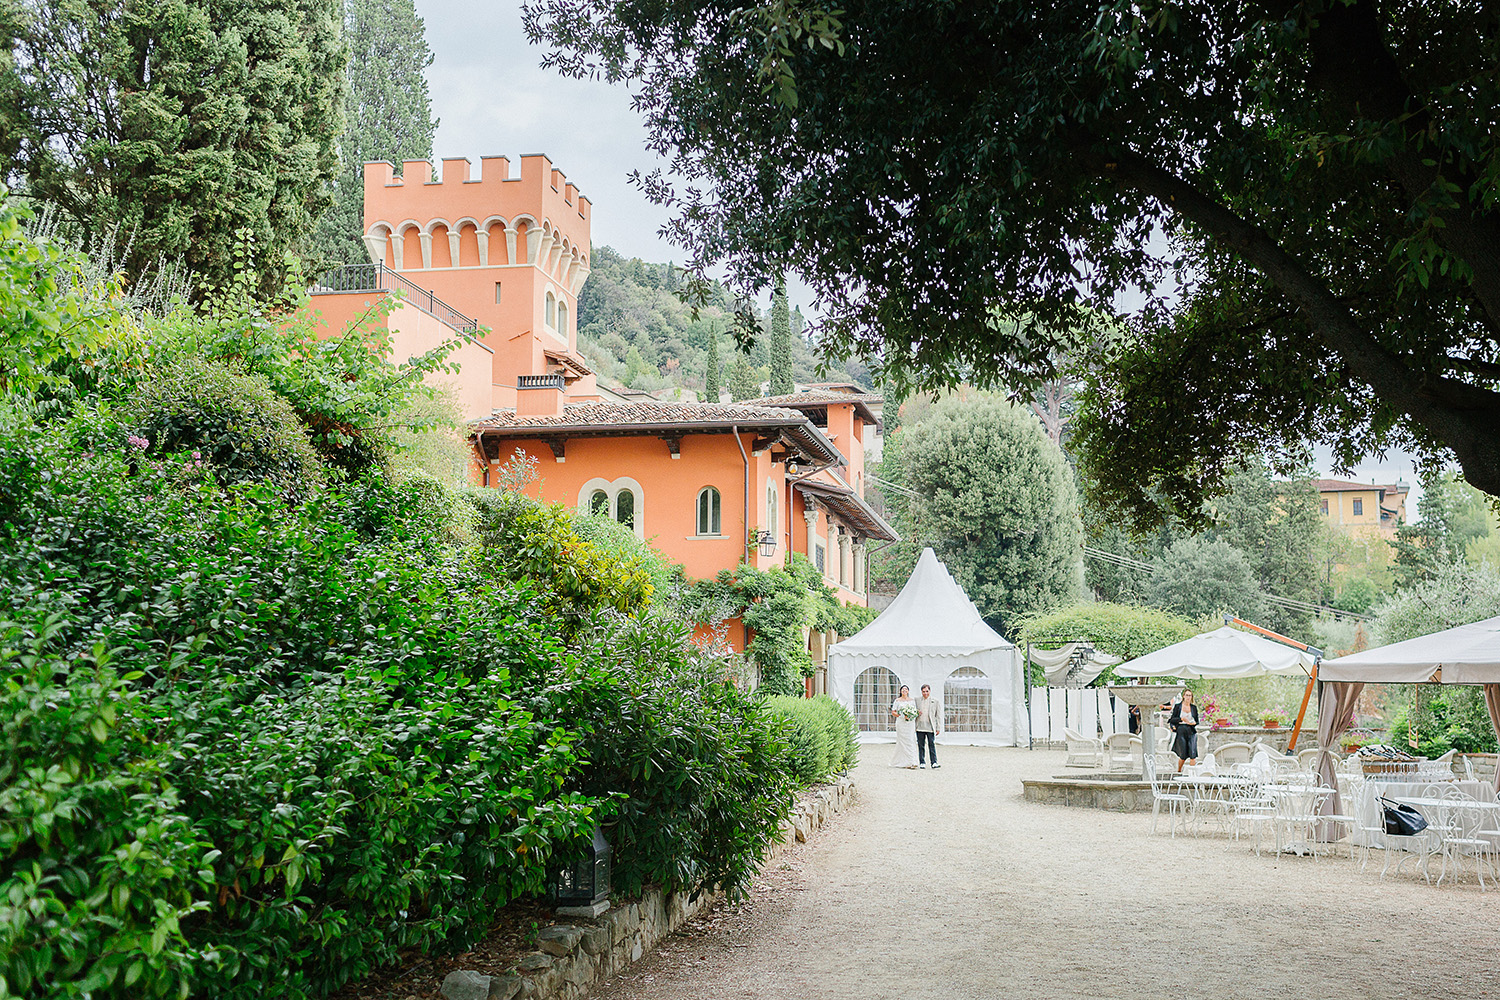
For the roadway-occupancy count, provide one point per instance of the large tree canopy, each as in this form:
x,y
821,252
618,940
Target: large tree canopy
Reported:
x,y
176,125
1320,176
982,483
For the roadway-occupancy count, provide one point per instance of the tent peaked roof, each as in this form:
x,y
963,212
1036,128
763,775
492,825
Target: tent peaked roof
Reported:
x,y
1468,654
1224,652
932,614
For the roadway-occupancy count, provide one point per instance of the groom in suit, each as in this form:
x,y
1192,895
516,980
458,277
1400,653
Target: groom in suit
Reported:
x,y
929,726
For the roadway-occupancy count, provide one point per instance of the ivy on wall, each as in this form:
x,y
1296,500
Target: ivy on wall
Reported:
x,y
781,605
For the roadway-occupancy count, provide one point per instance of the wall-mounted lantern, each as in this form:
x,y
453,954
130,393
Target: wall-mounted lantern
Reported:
x,y
767,544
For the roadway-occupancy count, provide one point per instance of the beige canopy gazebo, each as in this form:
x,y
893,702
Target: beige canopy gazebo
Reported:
x,y
1468,654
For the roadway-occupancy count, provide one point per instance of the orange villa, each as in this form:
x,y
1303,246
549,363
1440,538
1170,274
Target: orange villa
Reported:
x,y
503,258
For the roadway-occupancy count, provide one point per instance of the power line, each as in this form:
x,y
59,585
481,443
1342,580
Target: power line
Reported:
x,y
1140,566
1291,603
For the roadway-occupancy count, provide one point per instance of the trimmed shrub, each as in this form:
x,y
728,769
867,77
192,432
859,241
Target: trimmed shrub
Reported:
x,y
233,422
821,733
699,775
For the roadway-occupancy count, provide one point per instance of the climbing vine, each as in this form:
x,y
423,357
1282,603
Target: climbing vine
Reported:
x,y
780,605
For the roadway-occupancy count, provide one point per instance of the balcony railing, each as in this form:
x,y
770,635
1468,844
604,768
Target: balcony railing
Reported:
x,y
379,278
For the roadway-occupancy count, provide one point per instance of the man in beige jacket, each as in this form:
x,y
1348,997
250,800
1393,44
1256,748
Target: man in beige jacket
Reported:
x,y
929,727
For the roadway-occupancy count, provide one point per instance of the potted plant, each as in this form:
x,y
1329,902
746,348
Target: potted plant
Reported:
x,y
1273,718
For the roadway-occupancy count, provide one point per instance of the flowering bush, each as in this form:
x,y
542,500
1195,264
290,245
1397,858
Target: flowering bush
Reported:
x,y
1215,714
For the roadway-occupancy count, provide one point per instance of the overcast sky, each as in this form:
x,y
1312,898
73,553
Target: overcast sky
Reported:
x,y
493,98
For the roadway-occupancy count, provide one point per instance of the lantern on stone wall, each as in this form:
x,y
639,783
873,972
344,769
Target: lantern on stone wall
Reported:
x,y
584,884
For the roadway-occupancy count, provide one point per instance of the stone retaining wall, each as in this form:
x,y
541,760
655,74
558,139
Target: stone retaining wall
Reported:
x,y
572,957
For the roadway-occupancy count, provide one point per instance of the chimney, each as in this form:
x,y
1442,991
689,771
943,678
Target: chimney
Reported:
x,y
539,395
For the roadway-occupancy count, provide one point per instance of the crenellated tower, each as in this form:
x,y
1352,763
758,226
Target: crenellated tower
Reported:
x,y
509,251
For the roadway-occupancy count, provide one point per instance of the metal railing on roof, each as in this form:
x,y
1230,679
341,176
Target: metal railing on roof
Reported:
x,y
379,278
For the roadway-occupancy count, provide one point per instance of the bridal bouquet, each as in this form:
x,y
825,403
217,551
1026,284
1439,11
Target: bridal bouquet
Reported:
x,y
907,712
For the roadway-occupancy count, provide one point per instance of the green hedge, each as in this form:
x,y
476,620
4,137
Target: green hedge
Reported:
x,y
257,749
821,733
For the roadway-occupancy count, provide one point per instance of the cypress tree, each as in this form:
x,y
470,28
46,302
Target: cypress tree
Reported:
x,y
177,125
781,341
387,116
742,384
711,366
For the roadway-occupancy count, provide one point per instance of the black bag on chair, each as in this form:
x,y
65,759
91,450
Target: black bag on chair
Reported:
x,y
1401,820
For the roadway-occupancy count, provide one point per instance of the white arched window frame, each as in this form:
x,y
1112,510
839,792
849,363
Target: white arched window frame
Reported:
x,y
562,317
874,690
623,499
710,512
773,518
551,317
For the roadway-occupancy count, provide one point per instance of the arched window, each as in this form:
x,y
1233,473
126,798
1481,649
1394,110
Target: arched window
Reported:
x,y
709,511
874,690
599,503
625,508
562,318
772,496
552,310
968,702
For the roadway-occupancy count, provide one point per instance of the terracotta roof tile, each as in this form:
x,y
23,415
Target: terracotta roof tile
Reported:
x,y
824,397
611,414
625,419
1344,486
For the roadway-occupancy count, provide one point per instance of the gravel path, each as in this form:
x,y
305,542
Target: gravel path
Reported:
x,y
946,884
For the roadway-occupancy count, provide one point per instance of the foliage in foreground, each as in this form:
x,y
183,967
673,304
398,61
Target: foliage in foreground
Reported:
x,y
269,720
322,734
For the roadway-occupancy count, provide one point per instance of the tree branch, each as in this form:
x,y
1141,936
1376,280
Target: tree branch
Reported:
x,y
1462,415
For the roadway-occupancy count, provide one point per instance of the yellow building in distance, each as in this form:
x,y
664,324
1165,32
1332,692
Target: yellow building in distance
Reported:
x,y
1362,508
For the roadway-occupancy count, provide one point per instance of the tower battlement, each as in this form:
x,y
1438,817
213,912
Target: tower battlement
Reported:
x,y
495,219
536,169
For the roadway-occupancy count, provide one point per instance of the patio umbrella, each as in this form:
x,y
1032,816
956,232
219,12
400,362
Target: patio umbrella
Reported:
x,y
1224,652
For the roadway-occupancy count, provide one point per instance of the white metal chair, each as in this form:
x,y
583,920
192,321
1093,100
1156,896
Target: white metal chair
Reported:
x,y
1461,822
1177,803
1307,759
1297,815
1083,751
1418,845
1252,805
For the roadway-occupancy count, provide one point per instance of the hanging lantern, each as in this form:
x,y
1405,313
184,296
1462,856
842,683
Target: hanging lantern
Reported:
x,y
585,882
767,544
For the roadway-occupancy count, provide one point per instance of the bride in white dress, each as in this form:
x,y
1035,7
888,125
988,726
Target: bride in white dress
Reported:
x,y
906,730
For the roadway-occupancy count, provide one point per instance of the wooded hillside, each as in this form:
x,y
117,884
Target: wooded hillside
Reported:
x,y
635,329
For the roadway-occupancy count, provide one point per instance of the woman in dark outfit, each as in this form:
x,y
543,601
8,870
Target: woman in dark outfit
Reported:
x,y
1184,722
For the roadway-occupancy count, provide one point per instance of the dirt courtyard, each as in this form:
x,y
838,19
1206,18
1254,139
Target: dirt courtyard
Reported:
x,y
946,884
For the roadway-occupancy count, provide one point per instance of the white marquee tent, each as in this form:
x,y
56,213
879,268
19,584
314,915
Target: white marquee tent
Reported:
x,y
933,634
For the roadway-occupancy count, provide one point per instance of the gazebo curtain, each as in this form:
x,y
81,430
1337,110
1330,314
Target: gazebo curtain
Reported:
x,y
1335,718
1492,702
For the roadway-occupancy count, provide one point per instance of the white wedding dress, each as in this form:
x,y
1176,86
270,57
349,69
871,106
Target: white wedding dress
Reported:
x,y
906,737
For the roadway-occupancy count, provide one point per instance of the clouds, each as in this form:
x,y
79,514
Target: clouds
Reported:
x,y
493,98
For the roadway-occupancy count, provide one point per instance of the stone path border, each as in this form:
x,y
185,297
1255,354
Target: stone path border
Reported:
x,y
572,958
